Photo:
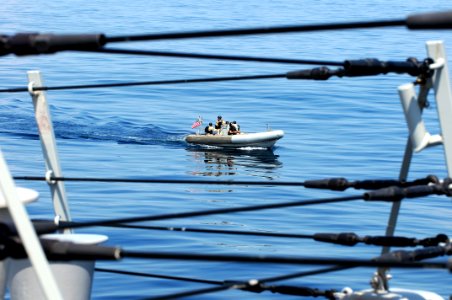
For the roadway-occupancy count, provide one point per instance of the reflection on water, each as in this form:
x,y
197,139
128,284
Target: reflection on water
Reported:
x,y
234,162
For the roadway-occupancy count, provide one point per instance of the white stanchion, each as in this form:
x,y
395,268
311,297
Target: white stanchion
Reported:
x,y
420,137
74,278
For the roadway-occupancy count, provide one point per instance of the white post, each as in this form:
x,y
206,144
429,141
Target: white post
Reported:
x,y
420,137
47,136
443,94
27,233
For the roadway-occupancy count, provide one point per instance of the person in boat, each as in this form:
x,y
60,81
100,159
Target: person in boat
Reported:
x,y
219,123
210,129
234,128
225,129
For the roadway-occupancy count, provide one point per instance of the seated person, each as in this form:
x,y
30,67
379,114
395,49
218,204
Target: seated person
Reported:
x,y
234,128
209,129
225,129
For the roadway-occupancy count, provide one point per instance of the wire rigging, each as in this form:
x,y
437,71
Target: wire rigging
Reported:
x,y
35,43
352,68
63,250
217,56
345,238
39,44
436,20
390,194
158,82
66,225
255,285
335,184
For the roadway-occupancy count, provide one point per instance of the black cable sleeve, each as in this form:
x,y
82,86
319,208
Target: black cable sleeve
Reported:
x,y
346,238
59,250
295,290
390,241
36,43
434,20
335,184
321,73
440,238
374,184
416,255
341,184
396,193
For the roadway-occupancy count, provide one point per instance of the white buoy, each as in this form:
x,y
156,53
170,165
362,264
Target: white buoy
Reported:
x,y
74,278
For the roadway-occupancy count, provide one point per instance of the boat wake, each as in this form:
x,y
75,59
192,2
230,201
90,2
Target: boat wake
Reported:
x,y
85,127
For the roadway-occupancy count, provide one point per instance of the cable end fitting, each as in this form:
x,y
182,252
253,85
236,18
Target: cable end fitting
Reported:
x,y
335,184
35,43
322,73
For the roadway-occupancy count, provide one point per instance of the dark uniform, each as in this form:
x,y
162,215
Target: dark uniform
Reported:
x,y
209,129
220,122
234,128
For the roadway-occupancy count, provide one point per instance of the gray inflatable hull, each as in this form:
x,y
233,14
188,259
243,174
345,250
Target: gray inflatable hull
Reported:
x,y
259,139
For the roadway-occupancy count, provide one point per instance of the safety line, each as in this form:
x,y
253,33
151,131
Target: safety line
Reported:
x,y
159,82
140,274
216,231
197,292
169,181
344,238
336,184
65,225
206,281
257,30
216,56
285,260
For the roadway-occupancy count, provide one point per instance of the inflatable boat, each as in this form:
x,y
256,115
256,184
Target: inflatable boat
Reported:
x,y
257,139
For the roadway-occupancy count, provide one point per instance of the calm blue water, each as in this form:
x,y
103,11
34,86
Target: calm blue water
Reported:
x,y
353,128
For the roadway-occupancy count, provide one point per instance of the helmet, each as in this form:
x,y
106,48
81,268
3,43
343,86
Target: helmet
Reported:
x,y
219,117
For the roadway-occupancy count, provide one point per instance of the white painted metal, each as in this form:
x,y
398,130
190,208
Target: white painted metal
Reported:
x,y
443,94
24,196
27,233
49,149
420,137
441,84
74,277
394,294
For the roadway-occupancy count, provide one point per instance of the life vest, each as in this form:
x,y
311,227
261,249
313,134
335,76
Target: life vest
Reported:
x,y
219,124
209,129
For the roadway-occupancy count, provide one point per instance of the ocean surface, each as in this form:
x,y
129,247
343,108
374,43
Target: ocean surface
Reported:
x,y
343,127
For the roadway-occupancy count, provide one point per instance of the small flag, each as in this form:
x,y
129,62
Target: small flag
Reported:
x,y
197,123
